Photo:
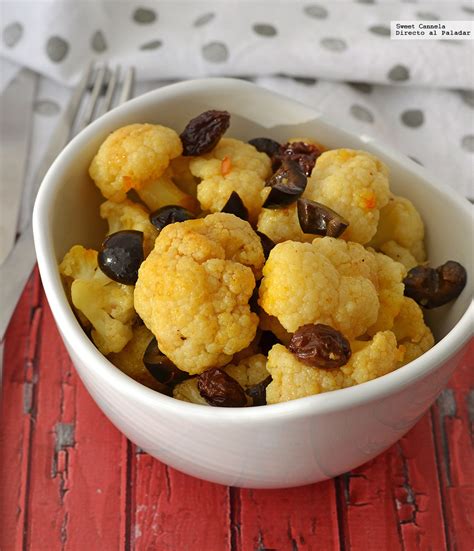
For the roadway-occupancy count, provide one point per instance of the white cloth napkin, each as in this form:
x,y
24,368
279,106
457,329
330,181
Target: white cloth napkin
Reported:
x,y
334,55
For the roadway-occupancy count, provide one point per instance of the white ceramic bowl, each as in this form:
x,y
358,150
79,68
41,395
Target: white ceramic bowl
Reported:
x,y
275,446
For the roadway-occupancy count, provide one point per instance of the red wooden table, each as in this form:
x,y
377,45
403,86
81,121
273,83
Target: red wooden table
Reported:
x,y
69,480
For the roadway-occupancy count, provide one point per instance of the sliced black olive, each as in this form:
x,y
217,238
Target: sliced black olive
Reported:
x,y
161,367
266,145
169,215
121,255
288,184
267,243
236,206
320,220
258,392
432,287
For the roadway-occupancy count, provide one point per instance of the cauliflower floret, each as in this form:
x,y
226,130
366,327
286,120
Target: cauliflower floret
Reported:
x,y
129,216
163,191
182,176
301,285
399,254
292,379
132,157
130,359
187,391
386,275
411,331
108,305
250,371
193,290
402,223
282,225
355,185
244,172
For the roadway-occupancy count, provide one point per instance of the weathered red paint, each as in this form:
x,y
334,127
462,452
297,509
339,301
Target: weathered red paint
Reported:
x,y
69,480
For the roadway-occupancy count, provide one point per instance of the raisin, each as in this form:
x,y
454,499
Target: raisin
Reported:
x,y
432,287
288,184
258,392
220,389
161,367
318,219
304,154
320,346
236,206
266,145
203,132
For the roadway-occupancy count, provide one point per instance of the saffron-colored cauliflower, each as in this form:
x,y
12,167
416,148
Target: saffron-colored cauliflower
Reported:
x,y
355,185
193,290
402,223
130,216
244,171
399,254
292,379
182,176
130,359
282,225
411,331
107,305
271,323
133,157
301,286
247,373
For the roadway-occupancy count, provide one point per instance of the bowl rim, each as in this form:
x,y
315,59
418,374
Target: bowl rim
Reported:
x,y
92,360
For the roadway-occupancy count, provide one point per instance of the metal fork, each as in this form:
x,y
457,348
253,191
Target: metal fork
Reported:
x,y
92,97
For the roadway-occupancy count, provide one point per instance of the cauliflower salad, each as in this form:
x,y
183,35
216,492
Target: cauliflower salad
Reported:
x,y
240,274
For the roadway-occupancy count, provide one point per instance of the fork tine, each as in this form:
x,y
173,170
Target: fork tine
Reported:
x,y
109,94
72,108
128,82
96,90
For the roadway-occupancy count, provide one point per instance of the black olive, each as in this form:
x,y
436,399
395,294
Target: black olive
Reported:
x,y
267,341
267,243
320,220
169,215
161,367
432,287
121,255
288,184
258,392
266,145
236,206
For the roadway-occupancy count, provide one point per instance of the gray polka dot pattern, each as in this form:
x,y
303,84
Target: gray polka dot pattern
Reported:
x,y
467,143
144,16
399,73
215,52
12,33
334,44
318,12
153,45
366,1
57,49
263,29
468,9
361,113
204,19
305,80
412,118
98,42
427,16
380,30
46,107
363,87
467,96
